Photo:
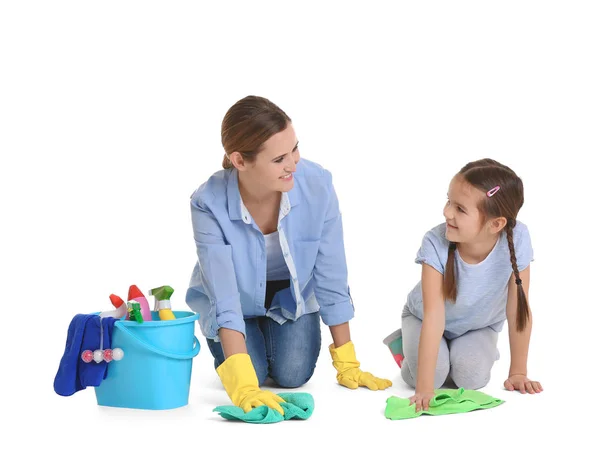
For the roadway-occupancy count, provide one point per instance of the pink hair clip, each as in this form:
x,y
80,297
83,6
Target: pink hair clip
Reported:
x,y
493,191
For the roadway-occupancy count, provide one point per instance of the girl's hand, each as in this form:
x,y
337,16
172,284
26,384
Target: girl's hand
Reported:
x,y
421,400
522,383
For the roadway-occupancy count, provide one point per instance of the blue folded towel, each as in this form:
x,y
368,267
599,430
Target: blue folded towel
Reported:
x,y
84,333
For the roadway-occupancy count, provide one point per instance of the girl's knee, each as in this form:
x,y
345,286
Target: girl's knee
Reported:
x,y
441,374
469,373
470,382
407,376
409,369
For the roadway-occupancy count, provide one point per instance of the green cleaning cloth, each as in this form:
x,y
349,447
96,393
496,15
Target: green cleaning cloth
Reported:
x,y
297,405
445,402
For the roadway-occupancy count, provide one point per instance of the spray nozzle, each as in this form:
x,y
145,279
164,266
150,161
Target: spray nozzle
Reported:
x,y
133,307
162,296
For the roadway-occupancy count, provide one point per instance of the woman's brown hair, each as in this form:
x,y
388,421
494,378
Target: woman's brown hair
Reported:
x,y
248,124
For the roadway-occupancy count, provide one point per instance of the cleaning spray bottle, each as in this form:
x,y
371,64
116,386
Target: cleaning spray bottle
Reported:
x,y
162,302
136,295
120,306
133,308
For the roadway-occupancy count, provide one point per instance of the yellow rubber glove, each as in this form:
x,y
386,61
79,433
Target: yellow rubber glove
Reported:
x,y
239,379
349,373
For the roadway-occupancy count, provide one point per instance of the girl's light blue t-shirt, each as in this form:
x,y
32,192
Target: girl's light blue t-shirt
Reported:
x,y
482,290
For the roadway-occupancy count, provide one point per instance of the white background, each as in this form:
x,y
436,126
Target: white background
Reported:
x,y
110,117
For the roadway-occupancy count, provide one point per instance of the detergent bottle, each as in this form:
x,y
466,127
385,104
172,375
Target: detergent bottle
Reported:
x,y
136,295
120,308
162,302
133,308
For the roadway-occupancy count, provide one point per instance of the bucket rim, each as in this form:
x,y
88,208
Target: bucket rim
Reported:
x,y
182,316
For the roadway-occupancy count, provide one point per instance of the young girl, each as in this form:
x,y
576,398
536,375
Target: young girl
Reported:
x,y
475,275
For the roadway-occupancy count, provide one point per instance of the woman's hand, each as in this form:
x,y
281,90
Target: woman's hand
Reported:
x,y
349,374
522,383
421,400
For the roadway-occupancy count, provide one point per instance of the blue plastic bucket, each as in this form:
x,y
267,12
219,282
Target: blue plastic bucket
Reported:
x,y
156,370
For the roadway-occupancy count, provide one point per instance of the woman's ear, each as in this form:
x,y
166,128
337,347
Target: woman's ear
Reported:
x,y
238,160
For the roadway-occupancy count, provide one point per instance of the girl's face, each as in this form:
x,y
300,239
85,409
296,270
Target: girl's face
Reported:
x,y
273,167
464,222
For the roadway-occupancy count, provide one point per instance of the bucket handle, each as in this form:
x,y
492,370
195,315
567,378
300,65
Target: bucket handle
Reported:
x,y
174,355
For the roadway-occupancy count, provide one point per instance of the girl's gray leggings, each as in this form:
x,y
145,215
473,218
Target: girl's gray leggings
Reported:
x,y
467,360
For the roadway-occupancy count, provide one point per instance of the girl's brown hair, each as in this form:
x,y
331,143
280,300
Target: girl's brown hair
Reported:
x,y
248,124
485,175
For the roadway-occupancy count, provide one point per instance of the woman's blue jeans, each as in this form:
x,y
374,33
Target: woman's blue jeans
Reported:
x,y
286,353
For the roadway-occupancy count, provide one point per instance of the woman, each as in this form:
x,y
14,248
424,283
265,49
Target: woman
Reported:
x,y
271,262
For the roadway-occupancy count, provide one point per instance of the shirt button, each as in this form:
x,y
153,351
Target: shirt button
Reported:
x,y
261,284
